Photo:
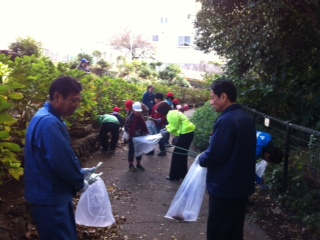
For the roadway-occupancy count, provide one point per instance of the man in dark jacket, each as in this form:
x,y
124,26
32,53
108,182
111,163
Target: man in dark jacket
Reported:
x,y
230,160
148,98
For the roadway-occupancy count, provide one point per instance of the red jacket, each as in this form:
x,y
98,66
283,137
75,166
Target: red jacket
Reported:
x,y
156,115
136,126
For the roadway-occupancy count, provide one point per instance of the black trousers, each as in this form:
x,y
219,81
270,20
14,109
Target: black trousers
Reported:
x,y
179,160
226,218
131,154
106,128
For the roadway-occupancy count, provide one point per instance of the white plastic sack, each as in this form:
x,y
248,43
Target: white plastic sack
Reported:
x,y
151,127
94,207
261,167
187,202
145,144
125,137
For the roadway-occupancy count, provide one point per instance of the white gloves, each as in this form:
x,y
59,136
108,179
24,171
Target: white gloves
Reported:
x,y
89,176
85,187
93,178
87,171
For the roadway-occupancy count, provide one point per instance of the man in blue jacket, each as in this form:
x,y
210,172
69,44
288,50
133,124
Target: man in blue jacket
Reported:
x,y
52,171
148,98
230,159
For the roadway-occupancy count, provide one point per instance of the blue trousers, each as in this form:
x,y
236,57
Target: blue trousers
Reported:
x,y
162,141
55,222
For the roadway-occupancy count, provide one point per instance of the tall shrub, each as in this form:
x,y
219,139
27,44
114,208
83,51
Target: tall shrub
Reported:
x,y
204,119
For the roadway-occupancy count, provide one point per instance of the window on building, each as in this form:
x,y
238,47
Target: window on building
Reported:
x,y
184,41
163,20
155,38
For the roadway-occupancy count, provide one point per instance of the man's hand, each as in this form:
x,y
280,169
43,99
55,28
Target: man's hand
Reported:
x,y
93,178
85,187
87,171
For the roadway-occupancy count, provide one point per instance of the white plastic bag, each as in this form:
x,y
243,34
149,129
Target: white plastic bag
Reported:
x,y
151,127
94,207
187,202
125,137
145,144
261,167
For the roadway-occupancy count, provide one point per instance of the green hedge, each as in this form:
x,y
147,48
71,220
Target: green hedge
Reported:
x,y
204,119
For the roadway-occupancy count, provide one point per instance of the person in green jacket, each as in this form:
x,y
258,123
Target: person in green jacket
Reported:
x,y
108,124
182,129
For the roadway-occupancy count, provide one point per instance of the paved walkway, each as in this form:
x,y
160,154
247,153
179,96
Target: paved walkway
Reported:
x,y
143,198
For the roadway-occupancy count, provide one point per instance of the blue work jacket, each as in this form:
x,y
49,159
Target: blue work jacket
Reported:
x,y
230,157
52,170
263,141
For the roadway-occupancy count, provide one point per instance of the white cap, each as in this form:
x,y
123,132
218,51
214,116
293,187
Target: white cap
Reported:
x,y
178,107
137,107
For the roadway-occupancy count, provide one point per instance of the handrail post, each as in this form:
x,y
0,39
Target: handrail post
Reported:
x,y
286,157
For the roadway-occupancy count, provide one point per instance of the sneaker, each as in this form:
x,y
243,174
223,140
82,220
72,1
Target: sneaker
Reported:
x,y
132,168
140,168
162,153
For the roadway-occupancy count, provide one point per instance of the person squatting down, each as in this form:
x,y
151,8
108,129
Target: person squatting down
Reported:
x,y
52,170
135,125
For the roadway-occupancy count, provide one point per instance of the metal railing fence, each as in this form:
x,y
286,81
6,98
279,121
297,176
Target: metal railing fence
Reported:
x,y
295,181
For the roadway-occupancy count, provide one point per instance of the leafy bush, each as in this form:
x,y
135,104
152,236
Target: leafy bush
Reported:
x,y
24,89
302,194
26,47
204,119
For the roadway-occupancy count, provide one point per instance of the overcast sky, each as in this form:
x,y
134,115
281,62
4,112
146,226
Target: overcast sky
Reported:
x,y
70,25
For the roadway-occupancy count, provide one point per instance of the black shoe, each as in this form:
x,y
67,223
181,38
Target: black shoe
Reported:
x,y
171,179
162,153
140,168
150,153
132,168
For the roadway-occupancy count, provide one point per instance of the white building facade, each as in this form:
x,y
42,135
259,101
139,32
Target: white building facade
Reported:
x,y
171,30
